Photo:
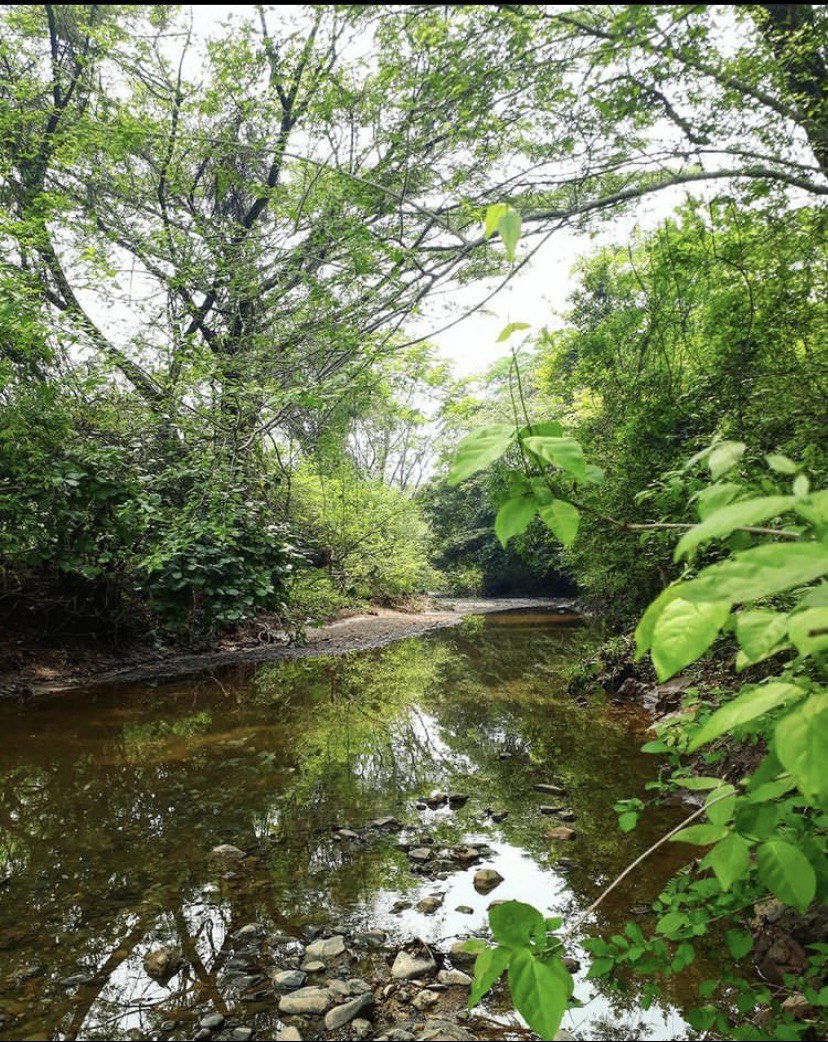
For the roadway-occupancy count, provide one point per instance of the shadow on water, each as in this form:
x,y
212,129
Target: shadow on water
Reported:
x,y
112,800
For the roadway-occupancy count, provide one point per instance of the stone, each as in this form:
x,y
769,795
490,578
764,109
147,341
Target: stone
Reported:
x,y
357,986
400,906
289,1034
561,833
454,979
486,879
572,964
424,1000
407,966
346,834
499,815
437,799
288,980
396,1035
241,1034
361,1028
460,956
387,823
211,1021
325,949
464,909
313,966
551,810
429,905
163,963
339,1016
565,1036
566,815
798,1006
339,987
550,790
465,854
248,931
458,799
421,854
227,852
305,1002
445,1031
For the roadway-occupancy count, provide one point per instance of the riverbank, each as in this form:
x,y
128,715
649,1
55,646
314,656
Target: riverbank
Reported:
x,y
33,668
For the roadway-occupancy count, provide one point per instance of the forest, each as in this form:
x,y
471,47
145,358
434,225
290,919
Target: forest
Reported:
x,y
326,325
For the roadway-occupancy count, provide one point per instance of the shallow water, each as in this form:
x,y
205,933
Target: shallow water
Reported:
x,y
112,800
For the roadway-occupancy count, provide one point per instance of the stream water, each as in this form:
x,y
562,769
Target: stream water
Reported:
x,y
112,800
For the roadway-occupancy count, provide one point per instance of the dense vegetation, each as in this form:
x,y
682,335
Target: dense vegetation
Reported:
x,y
218,400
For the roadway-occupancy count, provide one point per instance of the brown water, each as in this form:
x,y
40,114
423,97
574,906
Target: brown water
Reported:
x,y
112,800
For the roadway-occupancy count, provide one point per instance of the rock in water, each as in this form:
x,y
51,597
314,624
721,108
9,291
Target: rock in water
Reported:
x,y
561,833
228,853
163,963
486,879
339,1016
407,966
305,1002
429,905
327,948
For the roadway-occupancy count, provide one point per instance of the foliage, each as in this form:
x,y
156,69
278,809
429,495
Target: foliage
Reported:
x,y
370,538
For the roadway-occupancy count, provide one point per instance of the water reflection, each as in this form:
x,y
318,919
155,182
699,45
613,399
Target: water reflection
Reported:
x,y
112,800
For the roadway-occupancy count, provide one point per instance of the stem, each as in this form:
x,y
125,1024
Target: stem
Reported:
x,y
642,857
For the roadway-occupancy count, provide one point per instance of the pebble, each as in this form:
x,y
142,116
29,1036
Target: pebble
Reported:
x,y
339,1016
325,949
305,1001
429,905
289,980
486,879
211,1021
407,966
425,1000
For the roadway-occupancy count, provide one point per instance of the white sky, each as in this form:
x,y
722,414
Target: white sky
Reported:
x,y
537,293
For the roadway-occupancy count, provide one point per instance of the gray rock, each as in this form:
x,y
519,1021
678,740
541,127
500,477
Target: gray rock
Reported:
x,y
396,1035
564,1036
561,833
421,854
339,1016
465,909
305,1002
445,1031
486,879
454,979
551,790
326,949
228,853
163,963
407,966
313,966
289,1034
499,815
429,905
425,1000
241,1034
211,1021
288,980
361,1029
357,986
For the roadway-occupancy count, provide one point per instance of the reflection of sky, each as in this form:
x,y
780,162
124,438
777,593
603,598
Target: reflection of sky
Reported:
x,y
345,739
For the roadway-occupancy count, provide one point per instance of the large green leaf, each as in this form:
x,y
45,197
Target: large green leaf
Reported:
x,y
645,628
565,453
759,572
512,327
514,516
515,924
562,519
480,448
492,219
724,457
488,967
714,497
538,993
726,520
700,835
684,631
809,631
510,226
787,873
801,744
760,632
730,859
750,704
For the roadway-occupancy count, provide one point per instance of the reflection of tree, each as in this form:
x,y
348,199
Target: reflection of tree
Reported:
x,y
110,809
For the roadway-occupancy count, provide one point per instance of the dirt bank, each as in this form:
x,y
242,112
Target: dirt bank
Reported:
x,y
50,670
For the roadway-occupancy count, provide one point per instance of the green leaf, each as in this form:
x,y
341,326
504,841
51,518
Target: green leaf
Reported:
x,y
716,496
644,629
702,783
548,429
700,835
725,521
565,453
809,631
514,516
720,804
600,967
759,572
628,821
759,632
747,706
480,448
513,327
781,464
492,218
724,457
814,508
474,946
562,519
515,924
730,859
488,967
738,943
801,743
537,992
509,226
683,632
787,873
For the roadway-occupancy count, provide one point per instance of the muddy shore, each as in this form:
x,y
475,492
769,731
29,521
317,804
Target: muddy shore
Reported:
x,y
43,671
